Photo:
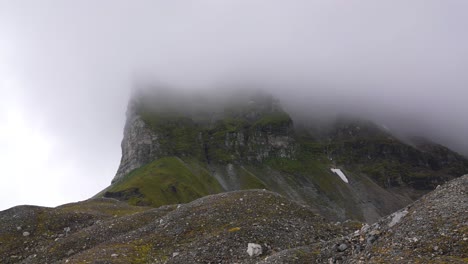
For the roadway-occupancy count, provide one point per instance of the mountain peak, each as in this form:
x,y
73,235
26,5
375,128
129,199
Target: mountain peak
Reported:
x,y
178,147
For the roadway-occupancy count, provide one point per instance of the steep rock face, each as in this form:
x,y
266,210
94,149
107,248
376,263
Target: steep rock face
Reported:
x,y
252,136
139,146
368,149
174,155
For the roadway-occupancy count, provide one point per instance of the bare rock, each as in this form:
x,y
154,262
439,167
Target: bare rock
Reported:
x,y
254,250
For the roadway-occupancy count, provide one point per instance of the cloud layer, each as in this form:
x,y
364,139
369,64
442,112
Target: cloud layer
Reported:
x,y
67,68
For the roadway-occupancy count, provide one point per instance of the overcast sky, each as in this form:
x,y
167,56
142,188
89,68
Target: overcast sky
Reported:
x,y
67,68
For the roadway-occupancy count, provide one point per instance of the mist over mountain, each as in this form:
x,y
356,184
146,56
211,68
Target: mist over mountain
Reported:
x,y
305,107
67,70
221,177
182,145
234,131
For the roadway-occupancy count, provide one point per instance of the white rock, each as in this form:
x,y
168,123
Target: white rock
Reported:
x,y
26,234
397,217
365,228
66,230
175,254
254,250
114,255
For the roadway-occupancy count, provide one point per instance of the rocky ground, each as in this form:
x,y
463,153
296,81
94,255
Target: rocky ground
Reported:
x,y
237,227
433,229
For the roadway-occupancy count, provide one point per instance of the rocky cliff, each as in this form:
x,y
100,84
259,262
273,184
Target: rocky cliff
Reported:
x,y
250,131
175,151
182,194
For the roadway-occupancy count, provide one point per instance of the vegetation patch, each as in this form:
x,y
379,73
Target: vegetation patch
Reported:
x,y
168,180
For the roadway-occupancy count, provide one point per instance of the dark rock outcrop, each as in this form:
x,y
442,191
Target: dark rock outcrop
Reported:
x,y
252,143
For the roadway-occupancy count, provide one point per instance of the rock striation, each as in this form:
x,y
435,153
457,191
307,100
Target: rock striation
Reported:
x,y
175,151
139,146
262,131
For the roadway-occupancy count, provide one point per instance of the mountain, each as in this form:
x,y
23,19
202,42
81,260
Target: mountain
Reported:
x,y
252,226
180,148
234,179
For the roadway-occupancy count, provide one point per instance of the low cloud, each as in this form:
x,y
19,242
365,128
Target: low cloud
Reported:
x,y
71,66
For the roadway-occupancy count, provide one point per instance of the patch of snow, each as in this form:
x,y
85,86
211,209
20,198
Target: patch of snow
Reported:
x,y
341,174
397,217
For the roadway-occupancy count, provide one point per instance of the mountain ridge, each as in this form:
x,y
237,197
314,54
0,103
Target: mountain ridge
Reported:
x,y
251,142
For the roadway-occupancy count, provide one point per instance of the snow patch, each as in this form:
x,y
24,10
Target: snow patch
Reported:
x,y
341,174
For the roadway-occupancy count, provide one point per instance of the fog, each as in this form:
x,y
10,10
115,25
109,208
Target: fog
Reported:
x,y
67,69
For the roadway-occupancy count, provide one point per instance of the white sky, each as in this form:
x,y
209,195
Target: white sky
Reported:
x,y
66,69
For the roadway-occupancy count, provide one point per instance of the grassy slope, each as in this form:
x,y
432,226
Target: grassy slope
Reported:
x,y
168,180
194,149
172,180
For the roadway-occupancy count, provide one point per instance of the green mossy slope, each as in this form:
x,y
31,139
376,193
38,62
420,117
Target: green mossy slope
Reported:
x,y
168,180
188,155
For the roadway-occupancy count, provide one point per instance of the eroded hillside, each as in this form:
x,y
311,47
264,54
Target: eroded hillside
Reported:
x,y
176,150
222,228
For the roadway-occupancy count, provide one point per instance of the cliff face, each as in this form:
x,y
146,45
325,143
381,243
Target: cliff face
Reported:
x,y
366,148
139,146
251,136
174,154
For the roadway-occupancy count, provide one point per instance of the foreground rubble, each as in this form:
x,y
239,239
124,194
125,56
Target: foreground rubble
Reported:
x,y
237,227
